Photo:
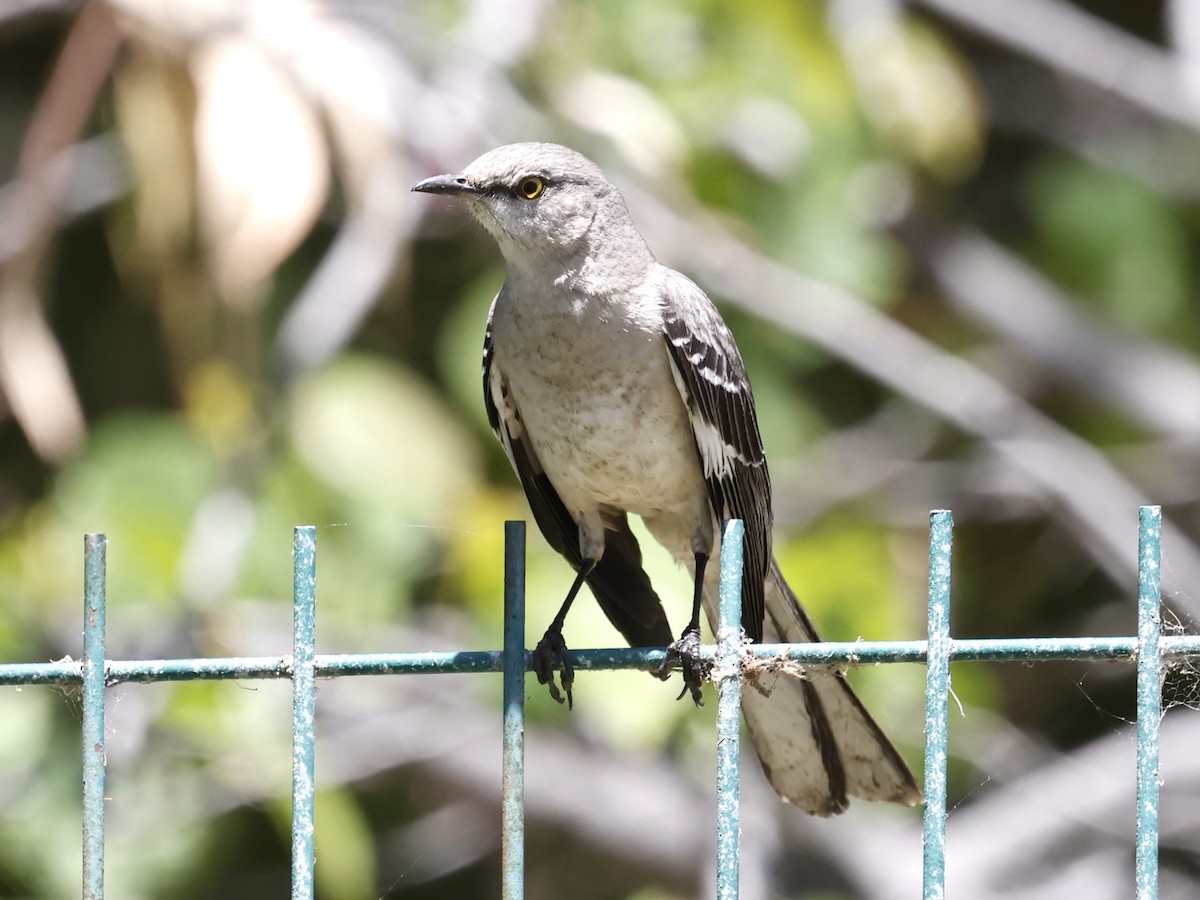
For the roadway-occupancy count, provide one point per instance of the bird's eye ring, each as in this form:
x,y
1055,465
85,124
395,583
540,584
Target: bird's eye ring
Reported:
x,y
530,187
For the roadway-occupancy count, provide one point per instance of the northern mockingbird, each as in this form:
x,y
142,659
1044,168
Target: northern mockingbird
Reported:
x,y
616,388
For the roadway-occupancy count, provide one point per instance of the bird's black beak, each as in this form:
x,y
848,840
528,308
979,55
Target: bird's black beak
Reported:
x,y
446,184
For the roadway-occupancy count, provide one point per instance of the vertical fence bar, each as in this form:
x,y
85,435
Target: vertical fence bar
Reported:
x,y
304,709
937,700
95,553
1149,699
729,713
513,761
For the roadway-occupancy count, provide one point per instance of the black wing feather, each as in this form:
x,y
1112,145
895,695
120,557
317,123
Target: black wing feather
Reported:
x,y
713,383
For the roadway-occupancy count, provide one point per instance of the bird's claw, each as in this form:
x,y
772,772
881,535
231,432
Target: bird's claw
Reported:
x,y
695,670
551,651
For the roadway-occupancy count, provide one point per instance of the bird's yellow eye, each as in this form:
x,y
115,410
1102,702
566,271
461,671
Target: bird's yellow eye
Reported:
x,y
530,187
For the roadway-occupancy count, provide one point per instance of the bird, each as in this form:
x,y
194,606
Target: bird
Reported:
x,y
616,389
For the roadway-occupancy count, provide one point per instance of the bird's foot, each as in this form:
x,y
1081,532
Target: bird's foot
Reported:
x,y
695,670
551,652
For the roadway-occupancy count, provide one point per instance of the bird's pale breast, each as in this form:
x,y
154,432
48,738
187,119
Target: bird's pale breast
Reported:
x,y
596,415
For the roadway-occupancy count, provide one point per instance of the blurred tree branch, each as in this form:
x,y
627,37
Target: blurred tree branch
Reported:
x,y
1149,382
34,376
16,10
1069,40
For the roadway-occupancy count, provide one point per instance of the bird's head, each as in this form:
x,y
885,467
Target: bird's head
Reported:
x,y
549,208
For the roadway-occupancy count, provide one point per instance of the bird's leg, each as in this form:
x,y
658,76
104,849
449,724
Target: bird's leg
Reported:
x,y
687,648
552,649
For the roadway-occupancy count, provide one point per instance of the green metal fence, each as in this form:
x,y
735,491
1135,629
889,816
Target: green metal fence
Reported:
x,y
1149,649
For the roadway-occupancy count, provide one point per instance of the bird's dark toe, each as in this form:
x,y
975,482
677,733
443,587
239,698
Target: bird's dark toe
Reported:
x,y
686,651
551,653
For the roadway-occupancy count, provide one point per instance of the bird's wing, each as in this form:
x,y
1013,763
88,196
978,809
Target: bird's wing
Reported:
x,y
817,743
711,379
619,583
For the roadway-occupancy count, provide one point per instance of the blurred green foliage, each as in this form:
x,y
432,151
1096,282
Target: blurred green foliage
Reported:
x,y
812,134
1116,244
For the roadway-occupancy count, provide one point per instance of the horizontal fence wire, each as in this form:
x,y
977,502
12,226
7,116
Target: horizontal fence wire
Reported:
x,y
1172,648
1150,649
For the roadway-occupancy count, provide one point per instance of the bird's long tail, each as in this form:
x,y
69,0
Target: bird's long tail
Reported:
x,y
817,743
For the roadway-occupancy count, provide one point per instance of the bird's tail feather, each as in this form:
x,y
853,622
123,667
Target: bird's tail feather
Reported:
x,y
817,743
